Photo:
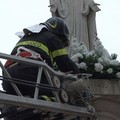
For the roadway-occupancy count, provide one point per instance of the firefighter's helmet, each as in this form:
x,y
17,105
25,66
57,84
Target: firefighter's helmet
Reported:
x,y
57,26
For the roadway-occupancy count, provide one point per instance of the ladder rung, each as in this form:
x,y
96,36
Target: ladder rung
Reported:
x,y
42,105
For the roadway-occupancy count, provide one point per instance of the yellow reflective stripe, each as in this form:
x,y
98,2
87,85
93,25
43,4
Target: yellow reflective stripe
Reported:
x,y
52,98
35,44
46,98
59,52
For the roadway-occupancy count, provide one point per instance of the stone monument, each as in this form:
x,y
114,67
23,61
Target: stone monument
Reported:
x,y
79,15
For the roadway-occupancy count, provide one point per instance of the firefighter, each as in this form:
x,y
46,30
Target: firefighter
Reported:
x,y
48,44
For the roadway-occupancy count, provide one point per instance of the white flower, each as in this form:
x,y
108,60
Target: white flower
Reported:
x,y
83,49
74,46
114,56
90,54
79,55
100,55
118,74
76,57
100,60
82,65
107,61
104,61
98,45
98,67
110,71
115,62
99,48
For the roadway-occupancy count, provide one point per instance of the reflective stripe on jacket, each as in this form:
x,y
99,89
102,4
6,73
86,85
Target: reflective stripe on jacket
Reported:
x,y
51,49
41,46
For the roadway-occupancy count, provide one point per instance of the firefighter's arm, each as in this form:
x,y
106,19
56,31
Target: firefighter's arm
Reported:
x,y
65,64
60,56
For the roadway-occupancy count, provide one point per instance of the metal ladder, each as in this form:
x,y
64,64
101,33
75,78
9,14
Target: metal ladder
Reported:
x,y
51,110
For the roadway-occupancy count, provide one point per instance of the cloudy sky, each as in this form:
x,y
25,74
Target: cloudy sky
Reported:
x,y
17,14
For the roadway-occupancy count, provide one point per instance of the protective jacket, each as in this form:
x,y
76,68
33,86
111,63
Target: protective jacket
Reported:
x,y
50,48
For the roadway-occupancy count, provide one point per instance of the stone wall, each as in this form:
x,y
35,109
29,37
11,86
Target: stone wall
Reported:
x,y
108,103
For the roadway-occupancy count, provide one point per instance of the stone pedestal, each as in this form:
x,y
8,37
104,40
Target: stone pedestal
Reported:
x,y
108,104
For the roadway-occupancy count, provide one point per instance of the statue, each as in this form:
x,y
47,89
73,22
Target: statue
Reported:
x,y
79,15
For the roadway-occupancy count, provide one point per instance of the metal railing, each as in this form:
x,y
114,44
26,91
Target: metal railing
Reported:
x,y
41,105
